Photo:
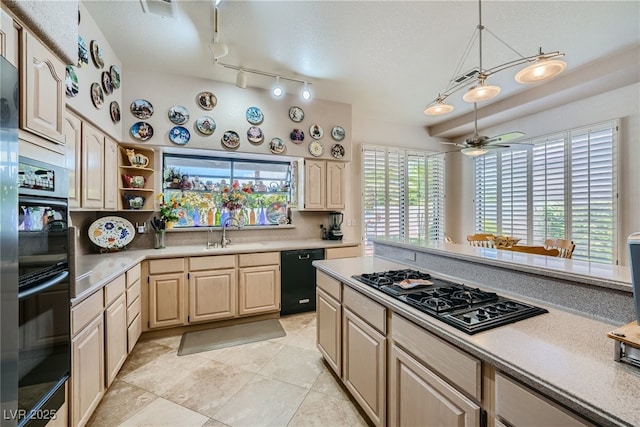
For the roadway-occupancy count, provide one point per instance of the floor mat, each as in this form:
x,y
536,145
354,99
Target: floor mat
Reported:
x,y
229,336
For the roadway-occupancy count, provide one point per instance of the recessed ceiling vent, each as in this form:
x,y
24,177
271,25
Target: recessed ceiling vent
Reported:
x,y
471,74
164,8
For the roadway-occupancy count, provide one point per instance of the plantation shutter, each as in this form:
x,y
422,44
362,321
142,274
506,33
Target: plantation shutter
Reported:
x,y
416,195
486,194
435,197
395,194
514,191
548,187
374,192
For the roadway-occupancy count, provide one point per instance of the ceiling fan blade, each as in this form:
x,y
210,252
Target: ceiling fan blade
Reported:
x,y
504,137
452,143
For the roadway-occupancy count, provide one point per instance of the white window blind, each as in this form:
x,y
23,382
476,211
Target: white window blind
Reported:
x,y
403,194
560,186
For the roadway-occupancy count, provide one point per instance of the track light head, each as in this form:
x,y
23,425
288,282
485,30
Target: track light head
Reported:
x,y
241,79
277,90
306,93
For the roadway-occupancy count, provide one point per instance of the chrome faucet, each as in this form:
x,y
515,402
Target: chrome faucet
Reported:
x,y
224,241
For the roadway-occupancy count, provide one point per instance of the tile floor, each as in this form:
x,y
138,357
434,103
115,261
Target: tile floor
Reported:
x,y
279,382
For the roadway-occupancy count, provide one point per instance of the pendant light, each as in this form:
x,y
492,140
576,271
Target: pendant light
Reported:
x,y
540,70
481,92
438,108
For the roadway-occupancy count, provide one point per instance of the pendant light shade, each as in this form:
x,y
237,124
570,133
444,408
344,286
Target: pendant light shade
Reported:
x,y
438,108
481,92
473,151
540,70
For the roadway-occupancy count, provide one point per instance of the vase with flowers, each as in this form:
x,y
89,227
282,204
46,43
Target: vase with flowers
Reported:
x,y
233,198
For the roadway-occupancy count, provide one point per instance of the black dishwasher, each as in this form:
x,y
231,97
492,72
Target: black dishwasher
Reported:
x,y
298,280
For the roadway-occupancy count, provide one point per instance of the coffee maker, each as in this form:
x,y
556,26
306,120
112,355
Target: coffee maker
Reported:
x,y
335,221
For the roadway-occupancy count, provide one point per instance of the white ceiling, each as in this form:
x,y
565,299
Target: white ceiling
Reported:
x,y
386,58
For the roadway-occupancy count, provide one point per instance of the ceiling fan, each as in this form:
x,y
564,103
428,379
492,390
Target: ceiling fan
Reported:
x,y
477,145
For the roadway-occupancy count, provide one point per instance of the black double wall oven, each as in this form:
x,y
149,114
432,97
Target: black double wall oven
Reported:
x,y
44,342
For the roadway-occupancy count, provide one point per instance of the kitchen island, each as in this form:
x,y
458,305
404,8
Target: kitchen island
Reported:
x,y
563,357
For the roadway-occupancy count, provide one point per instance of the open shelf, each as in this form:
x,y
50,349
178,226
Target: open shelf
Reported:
x,y
125,166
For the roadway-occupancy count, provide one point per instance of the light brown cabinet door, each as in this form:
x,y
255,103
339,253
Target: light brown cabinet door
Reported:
x,y
329,331
166,300
418,397
335,185
87,371
115,337
315,182
110,174
9,36
72,160
212,295
258,290
92,167
43,102
364,365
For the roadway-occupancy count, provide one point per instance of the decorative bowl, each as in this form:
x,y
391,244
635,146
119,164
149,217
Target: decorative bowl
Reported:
x,y
133,201
134,181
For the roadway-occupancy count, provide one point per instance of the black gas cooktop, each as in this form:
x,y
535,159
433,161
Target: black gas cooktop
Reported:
x,y
467,308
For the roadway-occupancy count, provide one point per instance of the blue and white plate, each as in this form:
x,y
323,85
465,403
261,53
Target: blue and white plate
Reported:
x,y
141,131
179,135
254,116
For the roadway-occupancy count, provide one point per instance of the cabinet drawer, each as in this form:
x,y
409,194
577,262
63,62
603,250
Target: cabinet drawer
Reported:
x,y
171,265
114,289
133,332
460,369
85,312
133,310
346,252
133,293
133,275
329,285
212,262
372,312
263,258
519,406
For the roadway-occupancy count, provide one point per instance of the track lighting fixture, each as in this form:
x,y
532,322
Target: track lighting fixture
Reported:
x,y
542,66
277,90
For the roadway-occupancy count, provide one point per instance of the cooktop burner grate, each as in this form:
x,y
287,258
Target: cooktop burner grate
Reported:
x,y
466,308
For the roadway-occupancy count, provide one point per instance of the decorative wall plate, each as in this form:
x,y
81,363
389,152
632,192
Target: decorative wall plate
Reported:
x,y
255,135
114,111
254,115
106,83
111,232
316,148
178,115
71,82
230,140
296,114
179,135
141,108
206,125
316,131
206,100
337,151
83,52
337,133
276,145
96,54
142,131
97,96
115,76
275,211
297,136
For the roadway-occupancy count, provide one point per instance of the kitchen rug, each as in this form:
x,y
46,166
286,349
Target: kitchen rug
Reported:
x,y
229,336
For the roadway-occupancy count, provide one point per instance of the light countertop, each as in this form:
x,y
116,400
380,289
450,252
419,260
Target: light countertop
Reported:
x,y
95,271
566,356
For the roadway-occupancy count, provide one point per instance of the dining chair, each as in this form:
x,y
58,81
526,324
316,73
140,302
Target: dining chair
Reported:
x,y
481,240
565,247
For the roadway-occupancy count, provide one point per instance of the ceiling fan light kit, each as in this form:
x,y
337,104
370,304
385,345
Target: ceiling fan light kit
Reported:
x,y
474,151
542,66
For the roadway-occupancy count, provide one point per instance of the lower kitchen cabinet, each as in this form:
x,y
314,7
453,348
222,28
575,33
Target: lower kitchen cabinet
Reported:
x,y
258,283
364,365
212,288
516,405
87,370
166,300
419,397
115,334
329,322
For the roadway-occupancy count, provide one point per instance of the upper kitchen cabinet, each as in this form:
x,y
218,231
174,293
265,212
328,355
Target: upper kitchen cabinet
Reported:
x,y
42,106
9,38
321,185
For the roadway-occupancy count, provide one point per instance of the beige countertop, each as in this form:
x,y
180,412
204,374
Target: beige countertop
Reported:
x,y
95,271
564,355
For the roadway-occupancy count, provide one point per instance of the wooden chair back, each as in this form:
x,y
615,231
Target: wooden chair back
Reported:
x,y
481,240
536,250
565,247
